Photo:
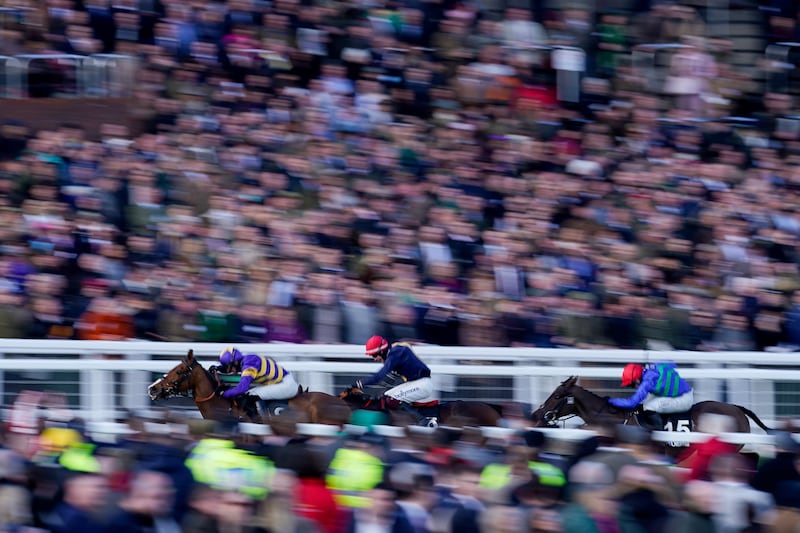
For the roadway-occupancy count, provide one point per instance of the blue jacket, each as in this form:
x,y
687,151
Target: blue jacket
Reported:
x,y
70,519
258,370
400,360
660,379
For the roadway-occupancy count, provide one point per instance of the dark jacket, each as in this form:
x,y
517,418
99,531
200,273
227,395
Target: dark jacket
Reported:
x,y
400,524
69,519
400,360
128,522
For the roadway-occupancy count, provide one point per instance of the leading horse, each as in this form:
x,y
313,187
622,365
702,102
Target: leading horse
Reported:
x,y
190,378
457,413
570,399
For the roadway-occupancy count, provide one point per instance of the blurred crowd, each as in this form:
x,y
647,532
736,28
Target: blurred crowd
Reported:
x,y
314,171
159,472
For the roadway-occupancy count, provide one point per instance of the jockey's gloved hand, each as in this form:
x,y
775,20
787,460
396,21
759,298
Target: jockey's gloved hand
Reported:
x,y
213,369
219,390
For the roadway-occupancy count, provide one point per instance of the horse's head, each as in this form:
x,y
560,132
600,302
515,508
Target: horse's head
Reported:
x,y
559,404
176,382
354,396
349,393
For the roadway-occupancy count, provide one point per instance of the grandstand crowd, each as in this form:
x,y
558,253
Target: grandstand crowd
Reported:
x,y
318,171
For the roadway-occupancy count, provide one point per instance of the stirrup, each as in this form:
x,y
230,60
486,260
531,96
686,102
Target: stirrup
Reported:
x,y
429,422
650,419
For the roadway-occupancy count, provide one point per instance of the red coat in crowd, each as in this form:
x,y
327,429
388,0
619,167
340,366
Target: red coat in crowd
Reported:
x,y
315,501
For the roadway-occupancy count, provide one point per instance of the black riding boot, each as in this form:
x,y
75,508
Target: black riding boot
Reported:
x,y
250,408
418,417
651,420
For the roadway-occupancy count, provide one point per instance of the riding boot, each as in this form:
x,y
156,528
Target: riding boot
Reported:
x,y
250,408
651,420
419,418
262,409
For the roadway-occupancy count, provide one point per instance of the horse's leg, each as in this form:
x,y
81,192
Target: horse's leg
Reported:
x,y
489,415
302,404
313,413
399,418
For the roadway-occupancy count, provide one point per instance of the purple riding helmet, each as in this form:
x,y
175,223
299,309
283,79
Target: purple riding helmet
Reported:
x,y
230,358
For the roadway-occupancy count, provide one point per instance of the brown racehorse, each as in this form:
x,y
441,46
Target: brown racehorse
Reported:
x,y
456,413
190,378
570,399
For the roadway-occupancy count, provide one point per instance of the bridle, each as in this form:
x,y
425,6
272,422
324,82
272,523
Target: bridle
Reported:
x,y
551,415
170,390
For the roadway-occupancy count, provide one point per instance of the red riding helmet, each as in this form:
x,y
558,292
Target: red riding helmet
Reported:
x,y
376,345
631,373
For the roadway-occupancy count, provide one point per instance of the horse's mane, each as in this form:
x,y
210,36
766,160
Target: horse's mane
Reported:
x,y
574,385
209,376
587,391
609,408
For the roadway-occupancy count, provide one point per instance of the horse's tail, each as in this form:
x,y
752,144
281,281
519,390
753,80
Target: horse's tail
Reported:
x,y
753,417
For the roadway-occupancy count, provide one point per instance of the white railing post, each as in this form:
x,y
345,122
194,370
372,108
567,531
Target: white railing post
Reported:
x,y
97,394
134,382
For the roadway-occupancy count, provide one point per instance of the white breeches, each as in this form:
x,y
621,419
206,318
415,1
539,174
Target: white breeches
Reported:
x,y
284,390
662,404
412,391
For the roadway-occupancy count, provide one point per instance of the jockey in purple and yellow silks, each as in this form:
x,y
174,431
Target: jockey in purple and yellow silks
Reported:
x,y
261,376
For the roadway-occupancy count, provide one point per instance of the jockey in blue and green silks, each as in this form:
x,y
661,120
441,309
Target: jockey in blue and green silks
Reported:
x,y
260,376
659,388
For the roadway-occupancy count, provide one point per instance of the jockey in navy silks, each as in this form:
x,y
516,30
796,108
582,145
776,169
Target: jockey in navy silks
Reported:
x,y
400,359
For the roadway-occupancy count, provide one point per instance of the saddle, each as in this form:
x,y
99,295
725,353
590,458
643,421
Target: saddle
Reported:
x,y
391,403
257,408
665,421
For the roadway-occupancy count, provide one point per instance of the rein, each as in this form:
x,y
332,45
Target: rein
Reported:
x,y
184,376
579,406
214,389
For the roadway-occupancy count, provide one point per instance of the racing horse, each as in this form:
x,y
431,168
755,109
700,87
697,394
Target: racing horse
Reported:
x,y
190,378
457,413
570,399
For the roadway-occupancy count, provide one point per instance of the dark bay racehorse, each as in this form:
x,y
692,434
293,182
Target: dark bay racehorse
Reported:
x,y
456,413
190,378
570,399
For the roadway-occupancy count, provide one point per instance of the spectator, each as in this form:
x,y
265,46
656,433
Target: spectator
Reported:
x,y
778,473
698,456
148,506
104,320
16,318
384,513
16,499
85,495
738,506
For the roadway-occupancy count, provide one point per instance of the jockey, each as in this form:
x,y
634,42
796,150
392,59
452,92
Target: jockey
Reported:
x,y
400,359
659,388
260,376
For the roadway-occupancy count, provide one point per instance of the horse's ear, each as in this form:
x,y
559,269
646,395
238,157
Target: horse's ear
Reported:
x,y
299,389
571,381
190,355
